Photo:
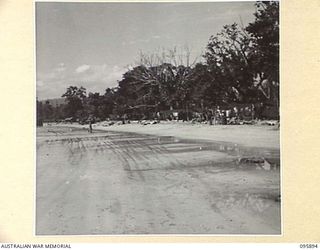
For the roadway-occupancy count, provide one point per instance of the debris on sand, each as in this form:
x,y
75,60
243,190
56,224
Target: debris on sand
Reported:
x,y
266,165
147,122
258,162
252,160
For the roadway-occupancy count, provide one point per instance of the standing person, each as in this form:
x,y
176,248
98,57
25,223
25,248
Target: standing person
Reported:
x,y
253,113
223,117
217,116
228,114
90,127
236,115
157,117
210,116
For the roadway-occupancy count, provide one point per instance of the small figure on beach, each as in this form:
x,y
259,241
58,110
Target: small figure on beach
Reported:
x,y
90,127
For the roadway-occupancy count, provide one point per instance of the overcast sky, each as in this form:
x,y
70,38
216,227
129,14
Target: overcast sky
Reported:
x,y
91,44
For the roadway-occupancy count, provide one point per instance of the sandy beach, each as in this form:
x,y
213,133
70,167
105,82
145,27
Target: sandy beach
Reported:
x,y
113,181
247,135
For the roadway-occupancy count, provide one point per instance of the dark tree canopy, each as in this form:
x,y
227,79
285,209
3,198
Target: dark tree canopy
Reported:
x,y
265,33
240,66
75,100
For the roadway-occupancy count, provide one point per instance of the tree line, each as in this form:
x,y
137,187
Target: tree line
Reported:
x,y
240,66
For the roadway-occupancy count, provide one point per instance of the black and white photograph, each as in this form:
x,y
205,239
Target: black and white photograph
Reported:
x,y
157,118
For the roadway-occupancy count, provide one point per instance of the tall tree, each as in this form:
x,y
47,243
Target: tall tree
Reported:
x,y
39,113
161,77
75,99
265,52
229,64
93,102
265,31
48,111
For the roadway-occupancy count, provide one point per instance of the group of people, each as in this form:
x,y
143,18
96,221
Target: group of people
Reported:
x,y
218,115
233,115
225,116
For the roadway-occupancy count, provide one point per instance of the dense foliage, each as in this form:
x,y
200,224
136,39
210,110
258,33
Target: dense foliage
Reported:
x,y
240,66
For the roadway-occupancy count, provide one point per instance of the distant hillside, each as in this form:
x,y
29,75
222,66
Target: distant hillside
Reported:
x,y
55,102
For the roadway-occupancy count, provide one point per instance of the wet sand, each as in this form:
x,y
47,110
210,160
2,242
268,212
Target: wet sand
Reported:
x,y
126,183
246,135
